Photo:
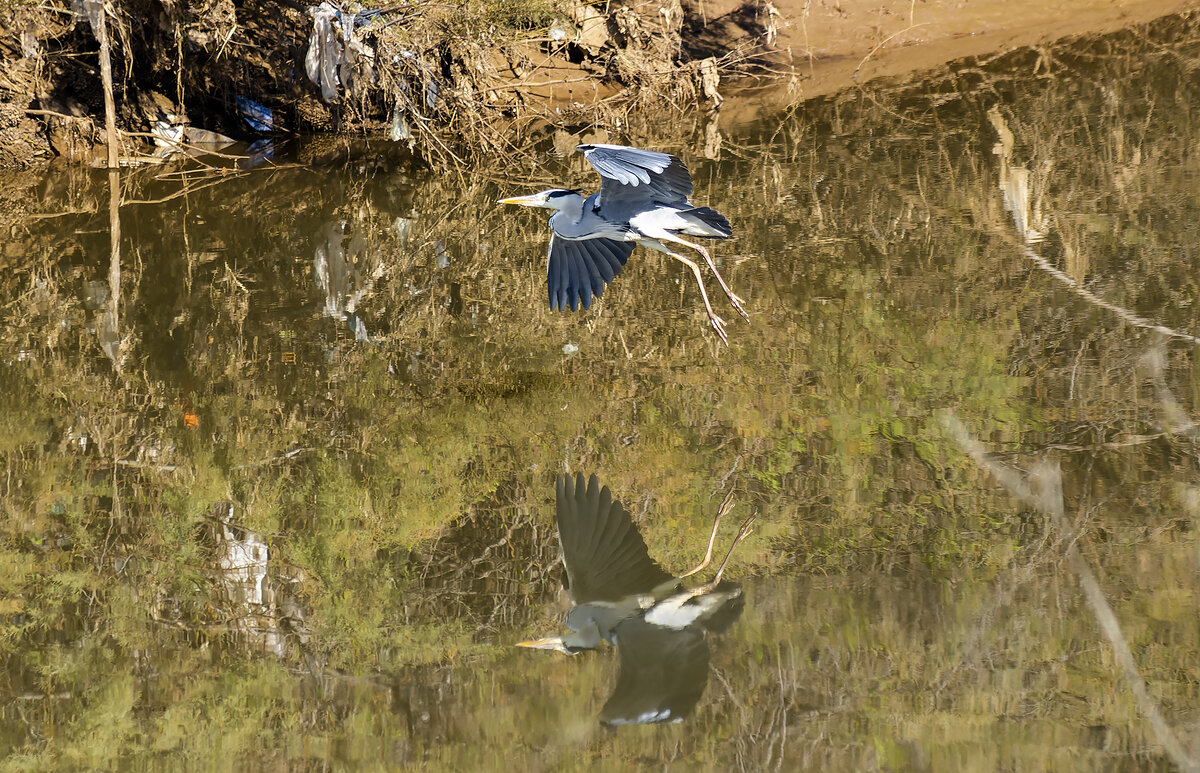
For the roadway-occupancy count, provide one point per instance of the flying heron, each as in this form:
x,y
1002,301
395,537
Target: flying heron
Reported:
x,y
643,199
621,595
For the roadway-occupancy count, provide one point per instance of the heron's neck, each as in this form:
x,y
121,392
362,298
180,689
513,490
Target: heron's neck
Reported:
x,y
570,209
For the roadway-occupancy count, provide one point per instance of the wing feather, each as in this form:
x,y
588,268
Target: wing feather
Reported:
x,y
605,556
577,270
636,175
577,293
556,275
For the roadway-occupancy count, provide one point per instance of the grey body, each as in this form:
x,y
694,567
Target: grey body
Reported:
x,y
643,199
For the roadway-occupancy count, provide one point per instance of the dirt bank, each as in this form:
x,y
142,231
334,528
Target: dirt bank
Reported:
x,y
453,79
826,46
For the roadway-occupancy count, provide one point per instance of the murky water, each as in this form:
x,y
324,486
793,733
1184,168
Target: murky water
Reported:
x,y
278,484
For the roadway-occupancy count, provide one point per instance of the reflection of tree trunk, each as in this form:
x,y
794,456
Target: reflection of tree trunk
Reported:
x,y
1076,259
110,330
1042,490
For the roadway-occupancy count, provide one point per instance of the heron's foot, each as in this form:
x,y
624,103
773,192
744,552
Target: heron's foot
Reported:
x,y
718,325
745,530
726,506
737,302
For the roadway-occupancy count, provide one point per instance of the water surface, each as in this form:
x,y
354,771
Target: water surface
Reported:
x,y
278,482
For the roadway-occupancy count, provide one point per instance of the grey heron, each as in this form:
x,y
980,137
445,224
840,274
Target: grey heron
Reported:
x,y
621,595
643,199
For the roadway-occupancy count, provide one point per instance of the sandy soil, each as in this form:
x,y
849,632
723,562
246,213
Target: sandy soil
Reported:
x,y
829,45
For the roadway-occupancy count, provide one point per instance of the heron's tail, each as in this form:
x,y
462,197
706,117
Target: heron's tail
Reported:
x,y
708,222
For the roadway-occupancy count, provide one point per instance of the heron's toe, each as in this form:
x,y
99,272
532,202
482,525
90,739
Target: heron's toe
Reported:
x,y
737,302
719,326
745,530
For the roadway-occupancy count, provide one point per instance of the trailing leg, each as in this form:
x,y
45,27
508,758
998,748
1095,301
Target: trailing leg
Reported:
x,y
734,299
744,531
723,511
717,323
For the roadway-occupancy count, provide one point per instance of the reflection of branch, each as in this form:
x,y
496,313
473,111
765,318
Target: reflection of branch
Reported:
x,y
1128,440
273,459
189,189
1091,297
145,466
1175,419
1046,496
732,470
1014,185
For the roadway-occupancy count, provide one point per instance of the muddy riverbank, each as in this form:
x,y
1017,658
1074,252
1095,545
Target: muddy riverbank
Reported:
x,y
455,80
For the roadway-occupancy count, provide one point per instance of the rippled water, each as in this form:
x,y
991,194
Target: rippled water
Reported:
x,y
278,482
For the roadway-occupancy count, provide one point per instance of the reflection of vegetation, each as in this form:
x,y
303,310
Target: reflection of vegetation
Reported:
x,y
402,486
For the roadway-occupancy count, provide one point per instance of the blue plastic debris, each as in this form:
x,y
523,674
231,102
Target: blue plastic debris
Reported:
x,y
256,116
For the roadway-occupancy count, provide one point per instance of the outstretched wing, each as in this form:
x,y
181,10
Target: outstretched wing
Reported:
x,y
663,674
632,175
576,270
605,556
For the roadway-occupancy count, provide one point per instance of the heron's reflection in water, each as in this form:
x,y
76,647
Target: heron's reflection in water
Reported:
x,y
621,595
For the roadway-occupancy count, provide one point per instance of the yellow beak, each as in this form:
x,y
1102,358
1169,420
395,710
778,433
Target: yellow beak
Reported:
x,y
525,201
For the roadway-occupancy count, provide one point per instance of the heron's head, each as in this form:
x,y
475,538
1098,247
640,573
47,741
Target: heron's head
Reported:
x,y
556,643
555,198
